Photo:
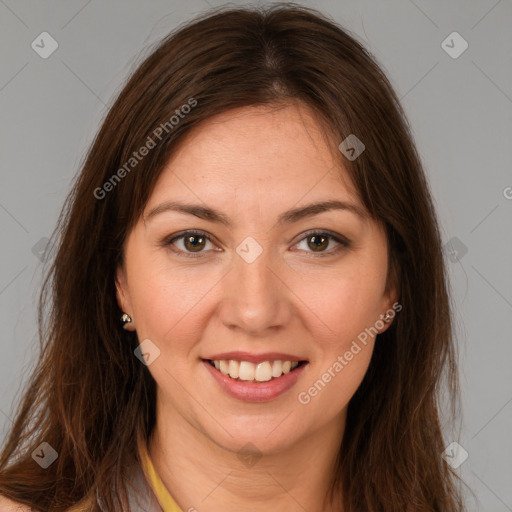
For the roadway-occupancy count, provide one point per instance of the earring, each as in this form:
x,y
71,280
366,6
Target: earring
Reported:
x,y
387,318
126,319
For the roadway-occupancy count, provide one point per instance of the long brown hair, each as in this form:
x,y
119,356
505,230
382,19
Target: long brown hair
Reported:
x,y
91,399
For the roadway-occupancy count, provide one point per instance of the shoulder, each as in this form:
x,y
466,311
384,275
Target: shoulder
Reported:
x,y
7,505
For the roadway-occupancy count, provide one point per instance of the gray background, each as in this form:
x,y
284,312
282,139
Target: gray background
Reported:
x,y
460,110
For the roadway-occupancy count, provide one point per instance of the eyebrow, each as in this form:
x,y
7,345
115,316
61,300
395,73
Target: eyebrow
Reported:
x,y
288,217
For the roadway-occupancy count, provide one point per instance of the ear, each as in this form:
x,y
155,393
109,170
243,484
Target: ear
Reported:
x,y
122,294
389,303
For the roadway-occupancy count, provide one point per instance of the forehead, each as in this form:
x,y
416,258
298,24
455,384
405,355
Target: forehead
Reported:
x,y
266,154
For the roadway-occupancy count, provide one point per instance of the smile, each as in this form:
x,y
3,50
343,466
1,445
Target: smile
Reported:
x,y
261,380
260,372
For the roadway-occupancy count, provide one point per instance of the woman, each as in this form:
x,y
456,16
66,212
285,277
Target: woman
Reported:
x,y
249,306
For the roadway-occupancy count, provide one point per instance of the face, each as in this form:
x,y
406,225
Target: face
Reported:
x,y
250,276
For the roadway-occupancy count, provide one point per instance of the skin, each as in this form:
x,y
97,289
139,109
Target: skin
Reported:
x,y
253,164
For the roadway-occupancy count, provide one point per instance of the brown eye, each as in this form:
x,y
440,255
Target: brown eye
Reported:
x,y
323,243
189,243
318,242
194,243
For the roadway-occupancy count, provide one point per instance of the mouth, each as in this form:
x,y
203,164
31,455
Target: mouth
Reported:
x,y
247,371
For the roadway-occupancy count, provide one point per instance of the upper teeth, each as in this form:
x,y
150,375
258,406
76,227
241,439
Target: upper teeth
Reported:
x,y
261,372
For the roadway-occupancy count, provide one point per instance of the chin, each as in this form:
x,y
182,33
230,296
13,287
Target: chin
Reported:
x,y
266,437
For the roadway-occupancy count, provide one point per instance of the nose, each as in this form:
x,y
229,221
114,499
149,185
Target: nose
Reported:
x,y
256,299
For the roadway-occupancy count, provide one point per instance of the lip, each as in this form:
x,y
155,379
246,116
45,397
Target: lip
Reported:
x,y
256,391
254,358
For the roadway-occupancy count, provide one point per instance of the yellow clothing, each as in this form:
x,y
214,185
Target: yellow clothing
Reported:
x,y
162,494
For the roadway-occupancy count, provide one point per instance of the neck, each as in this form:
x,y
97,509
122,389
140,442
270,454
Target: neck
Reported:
x,y
200,474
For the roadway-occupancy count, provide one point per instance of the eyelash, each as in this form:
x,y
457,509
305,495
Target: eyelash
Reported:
x,y
343,242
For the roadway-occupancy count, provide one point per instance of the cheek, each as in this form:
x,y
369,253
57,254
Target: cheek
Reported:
x,y
344,306
346,375
169,303
161,305
349,307
340,370
329,389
